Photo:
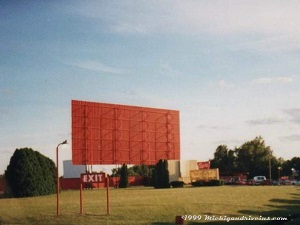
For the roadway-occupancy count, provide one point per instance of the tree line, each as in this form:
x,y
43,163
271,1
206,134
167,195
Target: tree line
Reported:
x,y
29,173
254,158
154,175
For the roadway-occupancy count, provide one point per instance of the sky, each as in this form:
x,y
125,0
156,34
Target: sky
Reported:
x,y
230,67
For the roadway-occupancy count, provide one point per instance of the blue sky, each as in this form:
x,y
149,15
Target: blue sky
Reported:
x,y
230,67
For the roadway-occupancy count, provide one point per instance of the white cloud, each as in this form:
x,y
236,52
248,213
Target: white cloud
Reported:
x,y
268,80
225,17
264,26
167,70
294,113
98,67
284,41
224,84
129,28
218,17
293,137
230,142
266,121
213,127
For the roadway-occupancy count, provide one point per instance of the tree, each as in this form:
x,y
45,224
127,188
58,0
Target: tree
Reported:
x,y
253,157
161,174
289,165
123,177
224,159
29,173
136,170
139,170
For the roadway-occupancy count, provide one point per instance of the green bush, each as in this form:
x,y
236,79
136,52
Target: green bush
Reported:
x,y
198,183
202,183
123,177
29,173
215,183
177,184
161,175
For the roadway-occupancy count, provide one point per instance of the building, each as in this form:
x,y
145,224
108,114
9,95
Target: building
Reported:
x,y
179,170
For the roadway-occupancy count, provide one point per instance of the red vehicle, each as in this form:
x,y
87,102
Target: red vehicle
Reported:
x,y
285,181
267,182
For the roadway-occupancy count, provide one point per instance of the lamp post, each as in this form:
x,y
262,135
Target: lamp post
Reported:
x,y
279,170
57,178
270,165
293,173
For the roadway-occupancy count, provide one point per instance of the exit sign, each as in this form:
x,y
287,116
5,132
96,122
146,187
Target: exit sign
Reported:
x,y
93,177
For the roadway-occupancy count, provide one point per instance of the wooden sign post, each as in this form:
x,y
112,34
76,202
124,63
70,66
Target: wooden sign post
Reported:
x,y
90,178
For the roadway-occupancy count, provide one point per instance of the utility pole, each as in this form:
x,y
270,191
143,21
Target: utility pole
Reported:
x,y
270,166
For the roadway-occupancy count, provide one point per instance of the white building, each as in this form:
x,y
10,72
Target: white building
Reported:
x,y
179,170
72,171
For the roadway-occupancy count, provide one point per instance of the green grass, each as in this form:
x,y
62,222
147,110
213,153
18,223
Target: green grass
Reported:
x,y
140,205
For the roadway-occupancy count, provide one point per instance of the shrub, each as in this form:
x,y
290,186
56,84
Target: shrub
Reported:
x,y
202,183
29,173
198,183
123,177
177,184
161,175
215,183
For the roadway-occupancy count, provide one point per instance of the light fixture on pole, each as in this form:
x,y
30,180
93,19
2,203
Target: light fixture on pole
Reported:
x,y
279,170
57,178
293,173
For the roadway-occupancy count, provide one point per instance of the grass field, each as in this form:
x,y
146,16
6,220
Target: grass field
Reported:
x,y
141,205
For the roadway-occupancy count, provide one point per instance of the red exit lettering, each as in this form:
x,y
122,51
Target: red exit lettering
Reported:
x,y
93,178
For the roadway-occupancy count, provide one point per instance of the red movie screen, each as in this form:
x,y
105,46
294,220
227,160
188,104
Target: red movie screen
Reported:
x,y
105,133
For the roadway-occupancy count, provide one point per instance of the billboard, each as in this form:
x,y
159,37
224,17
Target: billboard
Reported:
x,y
105,133
204,174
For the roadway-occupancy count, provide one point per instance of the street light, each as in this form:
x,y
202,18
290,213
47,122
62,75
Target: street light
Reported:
x,y
270,165
57,178
279,170
293,173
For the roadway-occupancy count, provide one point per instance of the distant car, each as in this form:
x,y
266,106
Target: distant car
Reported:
x,y
238,181
276,182
258,180
296,182
266,182
286,182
